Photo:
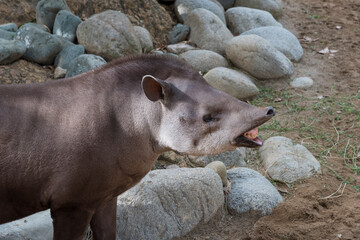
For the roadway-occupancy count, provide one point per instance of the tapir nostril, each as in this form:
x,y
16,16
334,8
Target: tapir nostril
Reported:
x,y
270,111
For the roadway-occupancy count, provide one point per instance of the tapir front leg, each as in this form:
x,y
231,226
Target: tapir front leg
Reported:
x,y
103,223
70,223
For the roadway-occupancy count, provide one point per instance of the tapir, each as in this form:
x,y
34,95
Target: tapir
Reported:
x,y
73,145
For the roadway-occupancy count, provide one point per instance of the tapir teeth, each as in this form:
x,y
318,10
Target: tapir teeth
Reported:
x,y
252,134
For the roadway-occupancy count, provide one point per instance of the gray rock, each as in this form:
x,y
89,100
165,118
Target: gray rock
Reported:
x,y
272,6
41,47
281,39
169,203
11,50
108,34
208,31
59,73
231,159
184,7
251,192
37,226
204,60
84,63
7,35
227,3
220,169
145,39
179,33
179,48
65,25
242,19
46,11
11,27
258,57
302,82
235,83
66,55
38,26
287,162
171,54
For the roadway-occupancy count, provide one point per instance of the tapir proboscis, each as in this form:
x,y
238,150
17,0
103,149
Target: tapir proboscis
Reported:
x,y
73,145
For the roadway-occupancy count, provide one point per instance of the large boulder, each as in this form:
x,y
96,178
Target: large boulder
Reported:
x,y
41,46
208,31
11,50
258,57
251,192
108,34
282,39
46,11
242,19
233,82
37,226
65,25
169,203
204,60
272,6
287,162
184,7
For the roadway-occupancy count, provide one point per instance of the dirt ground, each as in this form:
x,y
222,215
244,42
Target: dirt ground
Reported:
x,y
325,118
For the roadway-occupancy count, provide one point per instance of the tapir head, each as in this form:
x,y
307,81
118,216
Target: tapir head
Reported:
x,y
199,120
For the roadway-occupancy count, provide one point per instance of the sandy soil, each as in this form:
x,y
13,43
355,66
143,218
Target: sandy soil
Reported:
x,y
324,118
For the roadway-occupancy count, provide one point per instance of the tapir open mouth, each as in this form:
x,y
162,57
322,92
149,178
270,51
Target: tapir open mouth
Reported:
x,y
249,139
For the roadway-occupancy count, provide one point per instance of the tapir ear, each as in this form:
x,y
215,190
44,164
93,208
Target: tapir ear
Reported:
x,y
155,89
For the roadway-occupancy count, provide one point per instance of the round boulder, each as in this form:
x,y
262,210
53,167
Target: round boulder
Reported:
x,y
204,60
242,19
220,168
145,39
251,192
65,57
208,31
46,11
11,27
282,39
169,203
272,6
108,34
65,25
41,46
11,50
84,63
302,82
287,162
235,83
258,57
184,7
179,33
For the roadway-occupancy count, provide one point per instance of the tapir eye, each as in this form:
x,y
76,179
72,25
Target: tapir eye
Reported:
x,y
208,118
